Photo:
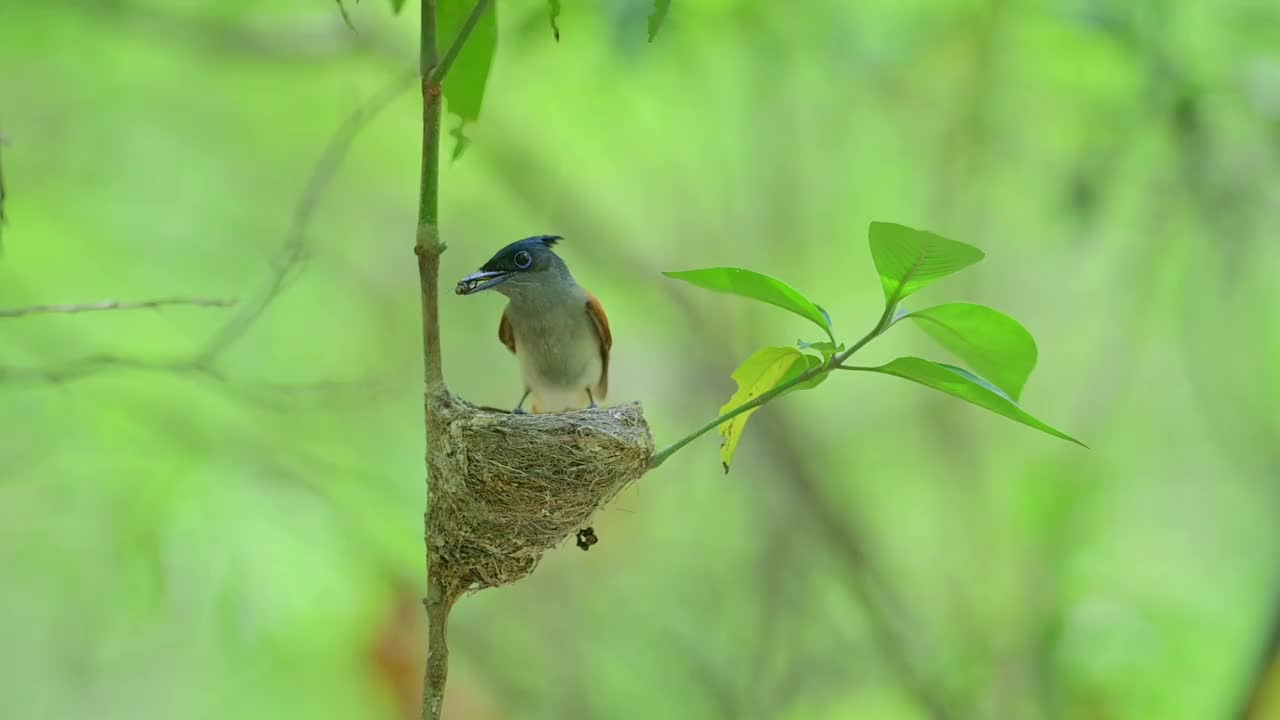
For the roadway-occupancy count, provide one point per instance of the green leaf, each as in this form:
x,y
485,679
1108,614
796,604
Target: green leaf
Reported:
x,y
465,84
995,345
397,6
659,14
747,283
962,384
909,259
763,371
553,10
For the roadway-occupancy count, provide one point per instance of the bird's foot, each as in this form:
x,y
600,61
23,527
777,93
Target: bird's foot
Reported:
x,y
520,405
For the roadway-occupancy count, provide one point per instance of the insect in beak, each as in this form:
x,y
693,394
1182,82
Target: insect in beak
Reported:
x,y
483,280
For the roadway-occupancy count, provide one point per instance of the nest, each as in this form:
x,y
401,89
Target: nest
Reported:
x,y
506,488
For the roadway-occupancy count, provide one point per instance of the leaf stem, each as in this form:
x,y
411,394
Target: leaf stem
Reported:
x,y
835,363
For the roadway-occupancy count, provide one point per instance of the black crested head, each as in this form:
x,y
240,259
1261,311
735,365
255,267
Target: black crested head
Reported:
x,y
530,253
528,257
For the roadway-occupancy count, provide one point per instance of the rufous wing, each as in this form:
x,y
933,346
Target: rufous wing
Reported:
x,y
505,334
596,312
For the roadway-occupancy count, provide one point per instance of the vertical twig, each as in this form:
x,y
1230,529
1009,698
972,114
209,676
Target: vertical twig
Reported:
x,y
428,247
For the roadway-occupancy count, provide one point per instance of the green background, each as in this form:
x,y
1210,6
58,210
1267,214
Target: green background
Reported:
x,y
177,544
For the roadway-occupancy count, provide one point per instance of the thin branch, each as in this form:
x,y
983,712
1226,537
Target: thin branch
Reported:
x,y
295,41
441,70
113,305
77,369
297,242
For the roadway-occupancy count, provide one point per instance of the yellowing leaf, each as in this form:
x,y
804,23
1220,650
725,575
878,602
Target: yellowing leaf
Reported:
x,y
766,369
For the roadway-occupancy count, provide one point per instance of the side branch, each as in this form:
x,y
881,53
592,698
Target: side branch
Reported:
x,y
113,305
835,363
442,69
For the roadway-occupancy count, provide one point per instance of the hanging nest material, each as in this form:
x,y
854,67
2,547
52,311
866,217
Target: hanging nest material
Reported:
x,y
505,488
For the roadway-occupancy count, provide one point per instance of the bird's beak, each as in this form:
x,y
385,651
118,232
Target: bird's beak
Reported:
x,y
483,280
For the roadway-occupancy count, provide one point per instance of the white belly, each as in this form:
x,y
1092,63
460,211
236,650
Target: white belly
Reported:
x,y
559,359
559,379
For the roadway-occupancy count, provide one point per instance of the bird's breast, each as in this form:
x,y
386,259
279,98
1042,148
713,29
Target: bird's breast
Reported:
x,y
557,348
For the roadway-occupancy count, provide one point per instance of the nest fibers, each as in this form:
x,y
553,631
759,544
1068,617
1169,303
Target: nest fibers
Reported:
x,y
505,488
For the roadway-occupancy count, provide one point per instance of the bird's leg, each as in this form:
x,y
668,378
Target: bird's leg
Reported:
x,y
520,405
592,399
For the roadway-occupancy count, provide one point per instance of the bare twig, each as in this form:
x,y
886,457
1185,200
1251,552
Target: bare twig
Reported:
x,y
93,364
113,305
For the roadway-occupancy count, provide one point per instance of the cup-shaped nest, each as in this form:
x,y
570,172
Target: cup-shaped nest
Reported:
x,y
505,488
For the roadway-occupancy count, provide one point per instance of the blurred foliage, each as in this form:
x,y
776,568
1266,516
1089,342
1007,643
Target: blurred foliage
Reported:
x,y
240,543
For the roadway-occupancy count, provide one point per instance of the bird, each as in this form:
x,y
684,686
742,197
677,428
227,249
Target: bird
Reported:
x,y
557,330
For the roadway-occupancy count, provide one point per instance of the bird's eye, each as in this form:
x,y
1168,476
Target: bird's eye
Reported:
x,y
523,260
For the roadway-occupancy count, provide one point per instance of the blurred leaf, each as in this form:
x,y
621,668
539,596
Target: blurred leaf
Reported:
x,y
909,259
995,345
346,17
962,384
766,369
656,18
553,10
747,283
464,86
397,6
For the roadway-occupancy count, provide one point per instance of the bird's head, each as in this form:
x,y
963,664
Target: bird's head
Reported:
x,y
522,265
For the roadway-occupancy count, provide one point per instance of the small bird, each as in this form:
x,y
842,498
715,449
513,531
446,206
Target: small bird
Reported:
x,y
556,329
